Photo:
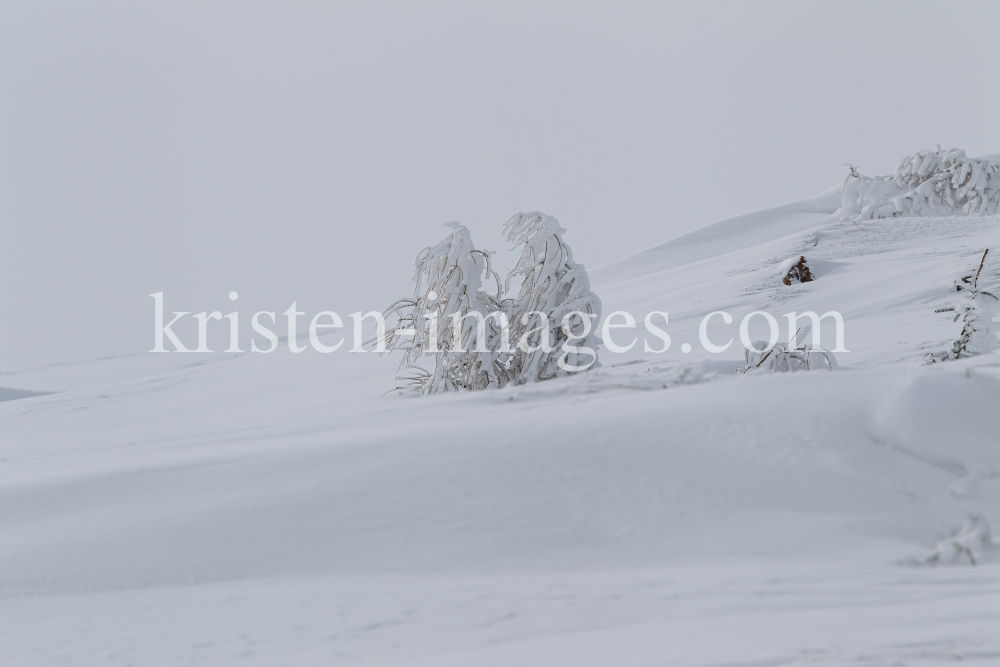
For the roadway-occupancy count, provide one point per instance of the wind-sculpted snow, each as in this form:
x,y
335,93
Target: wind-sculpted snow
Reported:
x,y
609,491
723,237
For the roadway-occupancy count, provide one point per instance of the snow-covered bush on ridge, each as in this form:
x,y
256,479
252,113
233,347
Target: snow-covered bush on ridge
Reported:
x,y
538,335
928,183
552,287
979,331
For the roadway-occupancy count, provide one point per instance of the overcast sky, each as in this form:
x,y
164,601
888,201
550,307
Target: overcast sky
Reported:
x,y
307,151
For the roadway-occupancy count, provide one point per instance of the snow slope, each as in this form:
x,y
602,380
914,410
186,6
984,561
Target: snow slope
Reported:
x,y
725,236
660,510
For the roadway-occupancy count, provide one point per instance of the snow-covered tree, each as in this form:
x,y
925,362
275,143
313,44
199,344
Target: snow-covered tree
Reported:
x,y
477,340
928,183
451,321
942,181
979,331
554,306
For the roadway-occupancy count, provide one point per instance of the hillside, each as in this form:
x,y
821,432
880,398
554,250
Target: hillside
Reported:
x,y
662,509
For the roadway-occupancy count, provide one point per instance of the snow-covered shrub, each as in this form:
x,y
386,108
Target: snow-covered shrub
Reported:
x,y
926,183
973,538
442,320
783,358
948,180
797,271
979,331
552,287
524,338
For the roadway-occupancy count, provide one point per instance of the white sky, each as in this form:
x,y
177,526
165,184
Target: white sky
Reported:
x,y
308,150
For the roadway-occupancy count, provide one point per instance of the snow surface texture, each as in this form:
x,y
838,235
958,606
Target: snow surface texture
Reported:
x,y
664,509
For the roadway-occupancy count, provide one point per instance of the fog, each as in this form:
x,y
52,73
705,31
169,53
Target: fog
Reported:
x,y
307,151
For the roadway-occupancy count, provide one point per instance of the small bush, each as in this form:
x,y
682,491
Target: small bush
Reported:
x,y
784,359
979,331
798,273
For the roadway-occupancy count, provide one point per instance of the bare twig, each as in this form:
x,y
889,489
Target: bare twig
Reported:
x,y
983,261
